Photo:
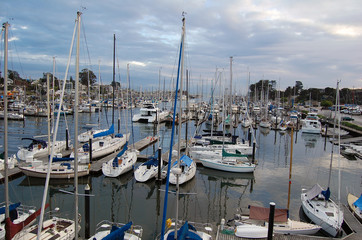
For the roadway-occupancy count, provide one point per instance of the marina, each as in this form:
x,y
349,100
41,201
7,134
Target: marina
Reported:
x,y
210,196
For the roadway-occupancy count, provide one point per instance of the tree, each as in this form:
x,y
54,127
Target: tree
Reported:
x,y
85,74
14,75
298,87
326,104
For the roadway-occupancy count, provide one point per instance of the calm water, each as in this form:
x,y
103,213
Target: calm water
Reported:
x,y
217,194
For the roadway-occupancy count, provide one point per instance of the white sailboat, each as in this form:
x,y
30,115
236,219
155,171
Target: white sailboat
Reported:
x,y
316,202
122,163
147,170
182,171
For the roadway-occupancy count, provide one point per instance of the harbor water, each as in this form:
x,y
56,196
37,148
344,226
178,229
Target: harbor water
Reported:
x,y
209,197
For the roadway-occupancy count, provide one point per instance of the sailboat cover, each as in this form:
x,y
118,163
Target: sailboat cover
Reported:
x,y
184,233
105,133
316,190
117,233
185,160
115,160
358,202
262,213
152,160
11,208
36,142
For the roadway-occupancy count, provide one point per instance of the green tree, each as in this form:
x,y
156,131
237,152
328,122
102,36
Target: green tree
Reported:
x,y
326,103
86,74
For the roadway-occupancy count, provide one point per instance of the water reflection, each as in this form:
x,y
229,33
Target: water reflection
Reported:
x,y
310,140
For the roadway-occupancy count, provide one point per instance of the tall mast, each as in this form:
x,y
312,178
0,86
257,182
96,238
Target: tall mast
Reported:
x,y
114,75
180,122
76,130
6,28
231,85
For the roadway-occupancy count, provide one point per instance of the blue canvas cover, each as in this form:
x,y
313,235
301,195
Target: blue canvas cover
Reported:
x,y
358,202
118,233
56,159
153,160
35,142
105,133
184,233
326,194
115,160
11,208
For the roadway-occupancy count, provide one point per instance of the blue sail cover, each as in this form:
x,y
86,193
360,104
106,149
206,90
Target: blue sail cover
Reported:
x,y
105,133
115,160
152,161
117,233
185,160
11,208
326,194
61,159
358,202
184,233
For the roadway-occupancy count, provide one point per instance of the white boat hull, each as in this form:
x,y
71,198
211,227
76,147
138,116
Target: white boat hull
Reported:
x,y
57,171
144,173
241,167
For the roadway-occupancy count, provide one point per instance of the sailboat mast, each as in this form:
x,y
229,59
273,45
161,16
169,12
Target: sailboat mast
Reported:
x,y
180,123
114,75
231,85
76,130
6,28
290,167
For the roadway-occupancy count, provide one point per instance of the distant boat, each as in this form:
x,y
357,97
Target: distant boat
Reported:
x,y
311,124
149,113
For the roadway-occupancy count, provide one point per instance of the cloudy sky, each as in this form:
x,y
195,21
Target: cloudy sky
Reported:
x,y
316,42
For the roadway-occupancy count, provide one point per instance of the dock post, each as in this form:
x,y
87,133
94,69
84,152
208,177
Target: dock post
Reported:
x,y
87,207
90,150
249,137
159,164
66,139
253,161
271,221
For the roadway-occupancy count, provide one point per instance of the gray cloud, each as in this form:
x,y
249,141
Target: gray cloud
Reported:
x,y
313,42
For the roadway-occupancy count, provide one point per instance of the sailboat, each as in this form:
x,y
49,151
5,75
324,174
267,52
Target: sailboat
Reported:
x,y
186,230
148,169
316,202
125,160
